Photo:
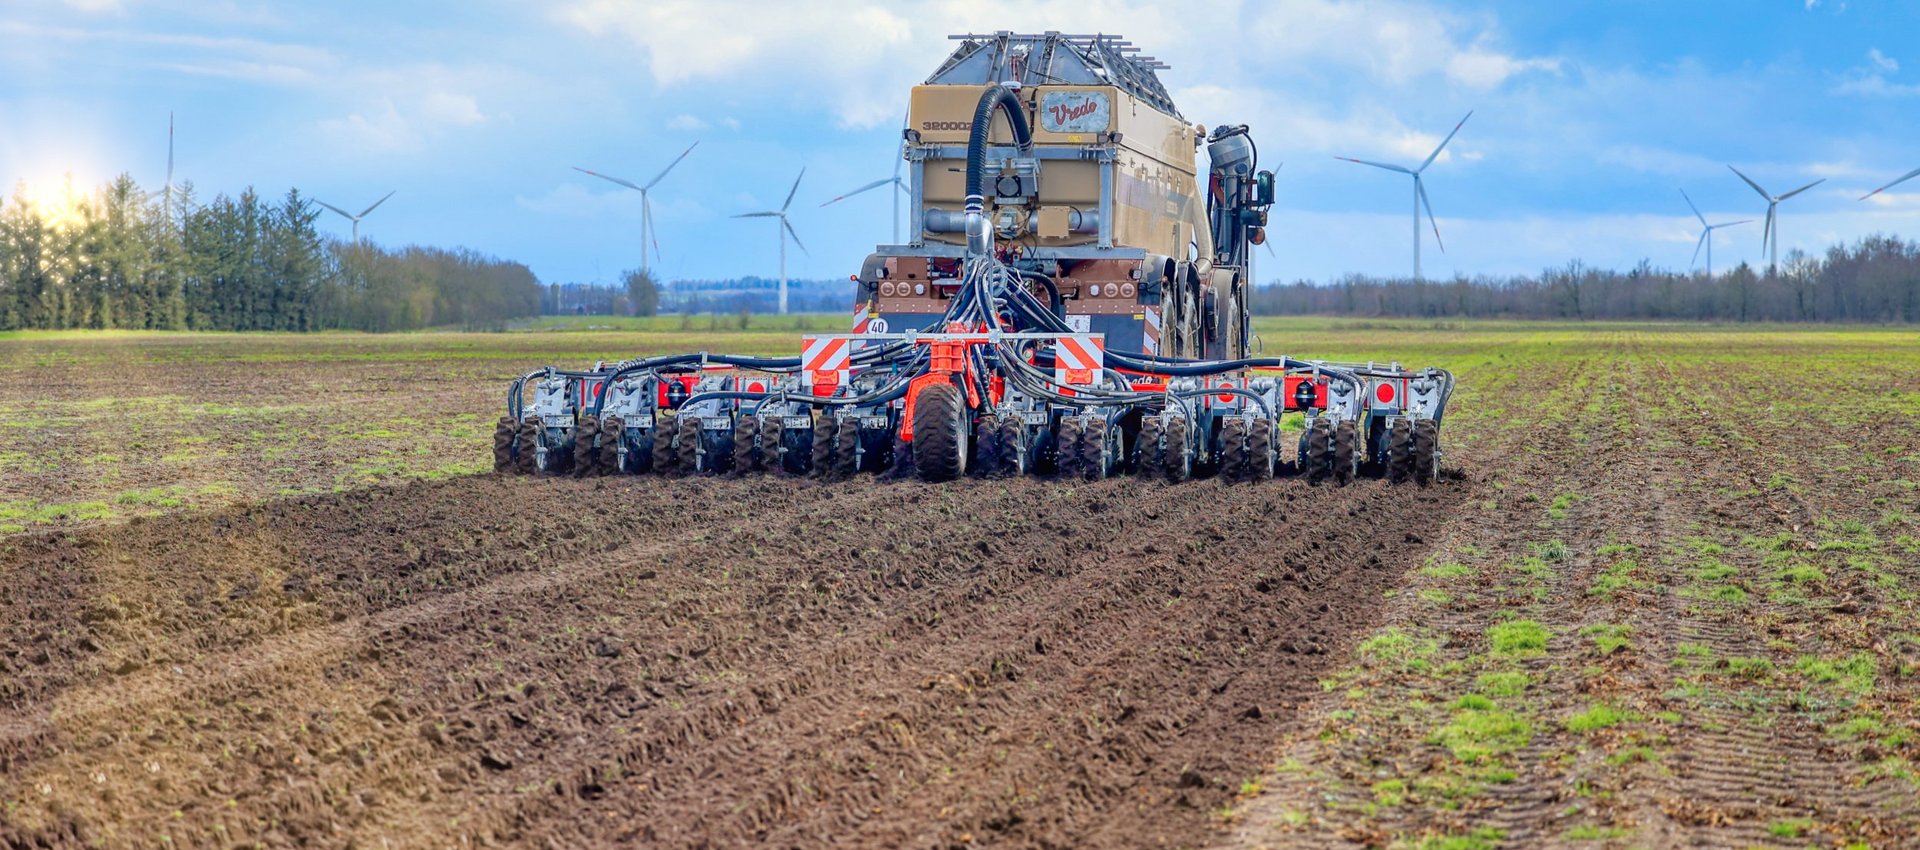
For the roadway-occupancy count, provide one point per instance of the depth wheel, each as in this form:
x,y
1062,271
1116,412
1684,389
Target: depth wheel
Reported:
x,y
613,438
527,442
1319,449
1233,449
1346,451
1400,451
939,433
767,436
585,460
746,445
1178,457
846,448
504,434
1066,447
986,457
1148,453
1095,456
686,444
666,461
1260,450
1426,451
823,434
1012,453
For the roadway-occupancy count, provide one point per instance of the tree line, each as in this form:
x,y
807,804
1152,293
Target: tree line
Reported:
x,y
1876,279
122,257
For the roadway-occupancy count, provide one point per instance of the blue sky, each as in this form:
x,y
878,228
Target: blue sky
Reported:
x,y
1589,117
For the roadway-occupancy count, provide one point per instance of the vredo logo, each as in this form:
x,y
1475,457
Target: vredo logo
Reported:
x,y
1073,112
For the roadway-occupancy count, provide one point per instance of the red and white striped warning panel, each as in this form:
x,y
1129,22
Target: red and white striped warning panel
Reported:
x,y
1151,336
1078,358
825,359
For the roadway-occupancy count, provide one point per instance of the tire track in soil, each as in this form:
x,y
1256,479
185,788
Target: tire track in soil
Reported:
x,y
1732,779
422,655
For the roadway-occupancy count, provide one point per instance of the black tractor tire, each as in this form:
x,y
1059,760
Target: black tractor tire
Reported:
x,y
1319,449
666,461
1066,447
940,433
1149,456
986,452
1178,457
824,427
1096,456
613,435
1426,451
1233,448
686,444
1013,453
1260,453
1400,451
746,445
846,448
1346,450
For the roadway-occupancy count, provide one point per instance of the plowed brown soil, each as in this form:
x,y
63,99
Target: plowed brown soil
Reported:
x,y
612,662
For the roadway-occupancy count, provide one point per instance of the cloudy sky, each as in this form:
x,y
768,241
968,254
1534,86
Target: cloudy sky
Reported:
x,y
1589,117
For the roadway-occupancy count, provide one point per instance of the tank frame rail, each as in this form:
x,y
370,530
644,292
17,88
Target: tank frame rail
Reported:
x,y
939,405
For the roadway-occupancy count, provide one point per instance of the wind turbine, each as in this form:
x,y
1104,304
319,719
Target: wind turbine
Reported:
x,y
355,218
647,236
1706,235
782,232
1419,192
1771,238
1909,176
899,185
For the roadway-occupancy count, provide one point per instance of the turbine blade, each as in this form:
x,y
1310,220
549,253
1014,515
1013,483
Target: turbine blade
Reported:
x,y
796,237
1443,142
1766,233
1697,245
653,231
609,178
343,213
169,154
383,199
1421,187
1729,224
1904,178
1756,186
1400,169
902,186
795,190
1696,210
874,185
670,165
1803,188
767,214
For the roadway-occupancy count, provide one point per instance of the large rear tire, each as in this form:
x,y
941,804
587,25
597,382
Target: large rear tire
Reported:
x,y
939,433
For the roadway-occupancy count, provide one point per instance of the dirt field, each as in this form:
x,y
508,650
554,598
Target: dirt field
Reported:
x,y
1671,605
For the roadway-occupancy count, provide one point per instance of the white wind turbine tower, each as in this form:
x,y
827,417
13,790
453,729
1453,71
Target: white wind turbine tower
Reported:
x,y
167,204
900,186
1909,176
647,236
356,218
1419,192
1706,235
1770,240
781,233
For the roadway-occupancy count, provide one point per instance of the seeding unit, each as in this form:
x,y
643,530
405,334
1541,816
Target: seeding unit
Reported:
x,y
1091,324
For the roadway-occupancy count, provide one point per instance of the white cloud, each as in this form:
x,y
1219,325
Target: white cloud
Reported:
x,y
1882,60
686,122
94,7
450,108
380,129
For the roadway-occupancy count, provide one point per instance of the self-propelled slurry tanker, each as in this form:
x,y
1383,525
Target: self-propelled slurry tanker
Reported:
x,y
1072,302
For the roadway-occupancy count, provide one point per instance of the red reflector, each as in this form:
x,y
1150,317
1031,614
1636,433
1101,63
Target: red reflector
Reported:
x,y
1385,393
756,387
